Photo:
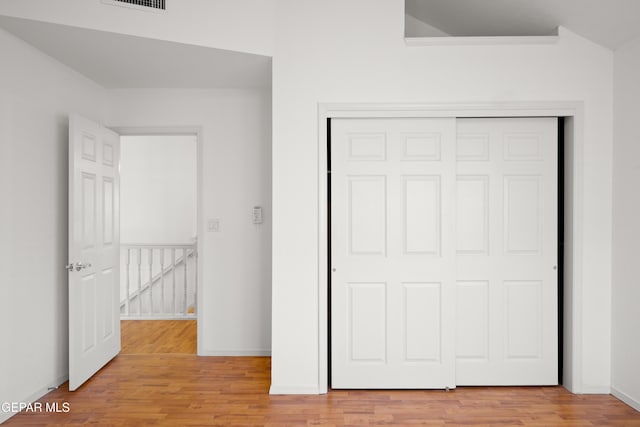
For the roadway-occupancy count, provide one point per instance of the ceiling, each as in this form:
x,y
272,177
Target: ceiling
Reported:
x,y
121,61
609,23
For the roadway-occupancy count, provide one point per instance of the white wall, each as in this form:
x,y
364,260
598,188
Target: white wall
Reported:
x,y
236,171
354,52
158,189
36,96
625,339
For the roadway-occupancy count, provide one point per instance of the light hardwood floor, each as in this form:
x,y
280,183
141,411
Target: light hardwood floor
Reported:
x,y
184,390
158,336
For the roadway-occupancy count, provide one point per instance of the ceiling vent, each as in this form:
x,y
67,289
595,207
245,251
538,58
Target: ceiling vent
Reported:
x,y
150,4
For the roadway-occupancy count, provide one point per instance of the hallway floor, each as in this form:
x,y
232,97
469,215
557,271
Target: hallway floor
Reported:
x,y
158,336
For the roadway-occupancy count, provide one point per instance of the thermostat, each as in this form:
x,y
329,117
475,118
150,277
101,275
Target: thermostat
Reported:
x,y
257,215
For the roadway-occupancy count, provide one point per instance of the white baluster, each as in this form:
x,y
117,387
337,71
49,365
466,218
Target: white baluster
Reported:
x,y
173,273
195,275
184,260
150,281
161,253
139,282
128,281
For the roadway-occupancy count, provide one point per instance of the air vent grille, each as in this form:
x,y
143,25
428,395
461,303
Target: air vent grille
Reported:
x,y
154,4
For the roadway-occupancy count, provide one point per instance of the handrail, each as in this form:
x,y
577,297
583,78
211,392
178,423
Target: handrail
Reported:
x,y
160,245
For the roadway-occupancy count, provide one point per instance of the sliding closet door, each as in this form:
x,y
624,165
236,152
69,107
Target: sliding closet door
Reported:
x,y
506,251
393,283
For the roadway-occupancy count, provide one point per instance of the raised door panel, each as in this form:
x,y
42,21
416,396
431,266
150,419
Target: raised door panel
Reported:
x,y
472,146
367,215
523,147
472,215
421,147
472,326
107,317
522,214
422,322
523,320
89,199
367,146
108,211
88,319
367,322
422,215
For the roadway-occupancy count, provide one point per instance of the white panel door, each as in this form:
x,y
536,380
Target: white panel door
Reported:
x,y
94,242
506,244
393,250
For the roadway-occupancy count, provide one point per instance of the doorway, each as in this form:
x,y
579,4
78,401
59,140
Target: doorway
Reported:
x,y
159,243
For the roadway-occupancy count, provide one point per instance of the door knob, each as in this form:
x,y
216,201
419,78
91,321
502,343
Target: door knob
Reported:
x,y
77,266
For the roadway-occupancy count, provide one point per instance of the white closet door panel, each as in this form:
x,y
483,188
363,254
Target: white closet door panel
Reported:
x,y
506,317
393,285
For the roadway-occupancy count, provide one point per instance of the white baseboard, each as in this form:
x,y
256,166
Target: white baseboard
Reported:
x,y
159,317
4,416
635,404
293,389
238,353
590,389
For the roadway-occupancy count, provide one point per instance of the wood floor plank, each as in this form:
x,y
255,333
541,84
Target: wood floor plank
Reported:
x,y
187,390
158,336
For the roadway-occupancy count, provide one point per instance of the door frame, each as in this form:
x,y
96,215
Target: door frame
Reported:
x,y
179,131
573,114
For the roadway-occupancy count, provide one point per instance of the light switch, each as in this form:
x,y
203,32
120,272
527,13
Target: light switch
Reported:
x,y
213,225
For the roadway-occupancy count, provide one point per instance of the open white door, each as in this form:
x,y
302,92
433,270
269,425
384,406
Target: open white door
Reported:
x,y
94,242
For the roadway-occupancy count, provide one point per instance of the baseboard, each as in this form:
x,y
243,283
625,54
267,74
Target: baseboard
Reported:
x,y
292,389
159,317
4,416
590,389
238,353
635,404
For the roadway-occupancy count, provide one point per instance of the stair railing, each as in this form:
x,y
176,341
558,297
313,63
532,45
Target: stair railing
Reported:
x,y
160,281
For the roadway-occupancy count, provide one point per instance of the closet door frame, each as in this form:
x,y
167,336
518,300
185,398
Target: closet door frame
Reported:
x,y
573,114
